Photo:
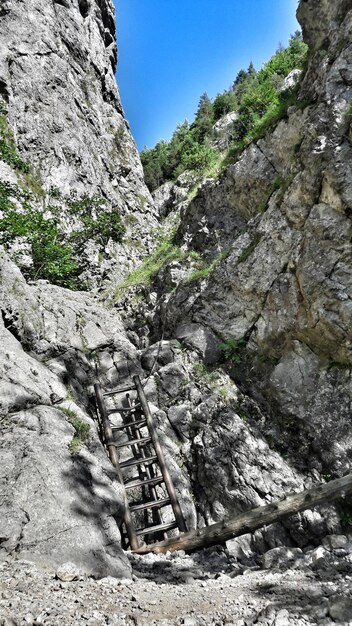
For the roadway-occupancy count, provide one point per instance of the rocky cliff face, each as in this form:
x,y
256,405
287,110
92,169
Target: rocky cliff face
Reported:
x,y
58,61
285,284
274,231
59,500
60,101
241,425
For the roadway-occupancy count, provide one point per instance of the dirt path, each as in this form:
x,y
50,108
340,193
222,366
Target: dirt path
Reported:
x,y
200,590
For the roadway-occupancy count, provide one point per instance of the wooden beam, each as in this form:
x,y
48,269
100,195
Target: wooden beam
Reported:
x,y
251,520
161,459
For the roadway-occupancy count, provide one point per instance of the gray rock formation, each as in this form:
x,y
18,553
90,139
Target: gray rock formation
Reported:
x,y
270,240
57,66
60,500
222,131
215,446
278,223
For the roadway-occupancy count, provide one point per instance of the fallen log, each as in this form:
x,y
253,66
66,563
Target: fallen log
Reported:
x,y
252,520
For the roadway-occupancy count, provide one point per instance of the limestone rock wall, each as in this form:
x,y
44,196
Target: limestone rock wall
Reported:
x,y
60,500
277,223
58,61
57,76
275,231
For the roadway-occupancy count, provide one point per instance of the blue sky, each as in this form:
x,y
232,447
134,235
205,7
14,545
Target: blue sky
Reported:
x,y
171,51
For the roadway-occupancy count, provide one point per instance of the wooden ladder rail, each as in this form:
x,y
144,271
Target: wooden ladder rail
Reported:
x,y
112,451
160,456
133,433
135,417
150,474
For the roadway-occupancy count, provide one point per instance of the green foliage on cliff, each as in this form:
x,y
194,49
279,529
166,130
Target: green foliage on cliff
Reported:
x,y
51,257
8,151
198,158
187,149
38,228
257,98
82,430
52,253
224,103
231,350
205,270
166,252
97,223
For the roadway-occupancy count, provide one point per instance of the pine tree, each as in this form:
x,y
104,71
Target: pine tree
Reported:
x,y
251,72
204,106
240,78
204,120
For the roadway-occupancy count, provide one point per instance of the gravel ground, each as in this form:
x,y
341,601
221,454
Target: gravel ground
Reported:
x,y
207,588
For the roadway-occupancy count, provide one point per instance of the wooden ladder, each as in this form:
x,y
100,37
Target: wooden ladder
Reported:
x,y
137,432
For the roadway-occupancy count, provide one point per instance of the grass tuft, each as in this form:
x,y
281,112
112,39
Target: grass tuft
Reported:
x,y
143,275
204,272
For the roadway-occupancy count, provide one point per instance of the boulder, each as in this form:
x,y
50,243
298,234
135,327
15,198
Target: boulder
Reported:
x,y
201,339
282,557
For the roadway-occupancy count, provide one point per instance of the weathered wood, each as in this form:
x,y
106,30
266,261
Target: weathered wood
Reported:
x,y
135,424
124,409
148,471
118,390
161,459
156,480
255,518
111,447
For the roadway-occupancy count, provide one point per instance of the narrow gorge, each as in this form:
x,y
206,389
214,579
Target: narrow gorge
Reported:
x,y
228,292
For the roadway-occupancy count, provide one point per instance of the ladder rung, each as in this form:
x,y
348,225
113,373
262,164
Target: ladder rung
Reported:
x,y
140,461
130,387
140,441
141,483
155,529
124,409
152,504
130,424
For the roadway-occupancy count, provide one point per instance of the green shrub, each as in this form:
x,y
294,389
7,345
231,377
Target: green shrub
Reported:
x,y
346,519
204,272
8,150
7,191
204,120
231,350
82,430
244,417
186,150
166,252
55,193
53,261
52,257
224,103
97,223
287,59
56,255
198,158
202,372
200,274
